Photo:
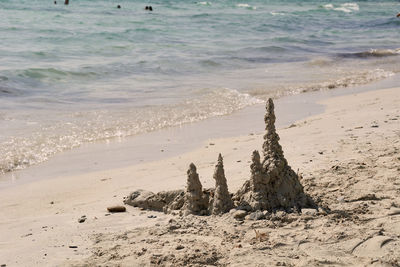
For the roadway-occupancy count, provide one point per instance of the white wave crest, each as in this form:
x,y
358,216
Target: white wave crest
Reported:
x,y
204,3
352,6
273,13
346,7
246,6
384,52
328,6
349,79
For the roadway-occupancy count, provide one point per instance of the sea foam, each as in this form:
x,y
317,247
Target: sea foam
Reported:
x,y
346,7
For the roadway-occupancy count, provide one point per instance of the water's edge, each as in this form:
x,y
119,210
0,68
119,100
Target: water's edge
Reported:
x,y
177,140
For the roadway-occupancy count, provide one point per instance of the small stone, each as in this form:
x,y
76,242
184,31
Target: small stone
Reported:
x,y
151,216
257,215
309,212
280,214
239,214
73,246
27,235
179,247
374,126
267,214
174,226
341,199
116,209
82,219
52,202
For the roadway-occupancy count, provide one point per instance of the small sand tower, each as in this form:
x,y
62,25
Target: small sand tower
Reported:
x,y
194,202
222,199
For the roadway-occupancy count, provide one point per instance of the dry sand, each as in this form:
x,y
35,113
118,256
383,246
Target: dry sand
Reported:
x,y
350,162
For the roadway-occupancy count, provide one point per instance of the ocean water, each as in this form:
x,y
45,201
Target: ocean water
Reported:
x,y
89,71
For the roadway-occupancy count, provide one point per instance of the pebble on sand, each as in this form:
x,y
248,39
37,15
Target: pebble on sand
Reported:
x,y
82,219
116,209
179,247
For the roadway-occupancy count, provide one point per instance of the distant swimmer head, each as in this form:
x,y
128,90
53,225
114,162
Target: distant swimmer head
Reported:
x,y
398,15
55,2
150,8
118,6
146,8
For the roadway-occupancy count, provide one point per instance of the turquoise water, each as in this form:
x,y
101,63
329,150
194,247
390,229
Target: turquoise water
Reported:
x,y
89,71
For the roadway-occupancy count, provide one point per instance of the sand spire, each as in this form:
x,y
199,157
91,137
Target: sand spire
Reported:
x,y
222,199
194,200
273,184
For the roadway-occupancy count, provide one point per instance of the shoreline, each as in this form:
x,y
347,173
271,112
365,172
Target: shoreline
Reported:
x,y
40,219
172,141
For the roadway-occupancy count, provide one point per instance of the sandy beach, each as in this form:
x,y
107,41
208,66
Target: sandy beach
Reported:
x,y
348,157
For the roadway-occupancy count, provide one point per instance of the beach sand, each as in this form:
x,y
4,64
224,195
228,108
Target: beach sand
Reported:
x,y
350,163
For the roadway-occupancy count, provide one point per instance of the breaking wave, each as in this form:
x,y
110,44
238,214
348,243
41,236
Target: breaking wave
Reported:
x,y
204,3
351,80
346,7
372,53
90,126
246,6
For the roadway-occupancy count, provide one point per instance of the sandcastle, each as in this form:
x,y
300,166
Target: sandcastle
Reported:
x,y
273,185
